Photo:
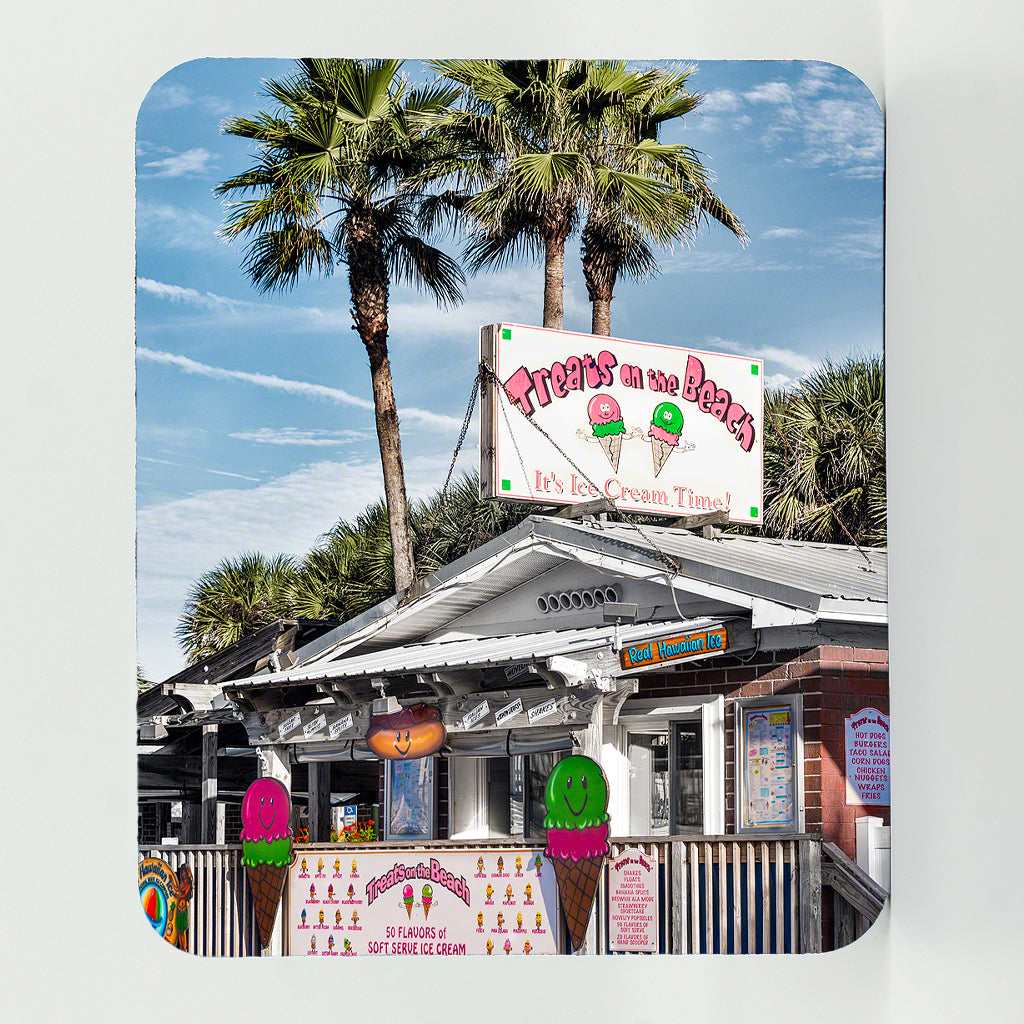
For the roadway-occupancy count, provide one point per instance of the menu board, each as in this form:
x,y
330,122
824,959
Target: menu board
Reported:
x,y
633,902
348,902
867,757
768,771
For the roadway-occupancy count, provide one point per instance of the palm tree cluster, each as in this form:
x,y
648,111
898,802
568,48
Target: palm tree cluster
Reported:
x,y
348,571
357,169
824,456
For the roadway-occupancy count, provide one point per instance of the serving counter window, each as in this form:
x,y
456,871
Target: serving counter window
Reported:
x,y
769,765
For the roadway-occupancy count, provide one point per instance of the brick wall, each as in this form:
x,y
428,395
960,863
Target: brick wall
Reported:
x,y
833,682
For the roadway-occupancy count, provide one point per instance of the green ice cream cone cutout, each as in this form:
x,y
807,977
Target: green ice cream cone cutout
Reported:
x,y
576,802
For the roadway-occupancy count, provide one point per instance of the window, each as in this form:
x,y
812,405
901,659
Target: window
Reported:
x,y
479,797
666,770
410,799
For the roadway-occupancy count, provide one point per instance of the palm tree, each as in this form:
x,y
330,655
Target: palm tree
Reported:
x,y
233,600
824,456
340,180
523,135
628,159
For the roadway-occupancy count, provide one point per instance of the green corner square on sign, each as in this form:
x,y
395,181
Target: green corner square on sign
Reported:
x,y
753,512
753,369
506,485
506,334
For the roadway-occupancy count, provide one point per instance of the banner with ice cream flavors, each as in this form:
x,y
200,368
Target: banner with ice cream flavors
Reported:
x,y
661,429
409,902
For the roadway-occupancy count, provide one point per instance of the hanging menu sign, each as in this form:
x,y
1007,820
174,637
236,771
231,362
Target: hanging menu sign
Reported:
x,y
423,903
867,757
633,902
768,773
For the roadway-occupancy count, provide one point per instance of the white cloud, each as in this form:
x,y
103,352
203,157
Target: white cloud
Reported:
x,y
168,97
858,243
515,295
796,361
779,380
180,540
719,101
783,233
189,296
713,262
173,97
293,387
770,92
202,469
191,162
306,438
172,227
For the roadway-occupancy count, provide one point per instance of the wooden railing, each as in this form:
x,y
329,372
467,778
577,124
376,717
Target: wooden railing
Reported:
x,y
857,899
733,894
719,894
220,912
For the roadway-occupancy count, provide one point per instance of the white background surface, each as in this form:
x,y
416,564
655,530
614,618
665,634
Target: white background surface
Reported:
x,y
950,946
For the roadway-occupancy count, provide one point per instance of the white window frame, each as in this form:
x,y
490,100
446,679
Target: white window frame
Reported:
x,y
795,703
471,788
653,716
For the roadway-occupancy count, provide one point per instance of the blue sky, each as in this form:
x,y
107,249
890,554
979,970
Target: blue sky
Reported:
x,y
255,424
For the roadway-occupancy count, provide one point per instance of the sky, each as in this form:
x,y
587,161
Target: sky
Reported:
x,y
255,419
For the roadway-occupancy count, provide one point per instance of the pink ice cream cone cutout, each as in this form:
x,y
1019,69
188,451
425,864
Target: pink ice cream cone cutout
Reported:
x,y
666,425
266,849
407,900
606,423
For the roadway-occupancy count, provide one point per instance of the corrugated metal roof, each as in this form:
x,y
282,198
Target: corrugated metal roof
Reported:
x,y
482,651
828,570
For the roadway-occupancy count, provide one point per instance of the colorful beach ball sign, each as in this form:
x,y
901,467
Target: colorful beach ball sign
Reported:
x,y
157,887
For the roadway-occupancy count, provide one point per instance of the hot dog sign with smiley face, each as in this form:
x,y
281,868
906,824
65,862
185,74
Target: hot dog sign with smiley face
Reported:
x,y
408,734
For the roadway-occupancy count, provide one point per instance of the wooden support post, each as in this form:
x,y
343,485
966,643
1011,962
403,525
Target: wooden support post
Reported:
x,y
319,797
585,508
677,897
208,826
720,518
810,895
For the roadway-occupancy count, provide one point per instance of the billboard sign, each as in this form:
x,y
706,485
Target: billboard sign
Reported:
x,y
423,903
657,429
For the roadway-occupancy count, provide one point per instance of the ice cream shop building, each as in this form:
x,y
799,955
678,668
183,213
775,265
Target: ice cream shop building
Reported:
x,y
733,689
717,680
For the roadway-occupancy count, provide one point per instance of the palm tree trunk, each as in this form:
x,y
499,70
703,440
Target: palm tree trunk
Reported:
x,y
554,281
386,415
600,269
368,281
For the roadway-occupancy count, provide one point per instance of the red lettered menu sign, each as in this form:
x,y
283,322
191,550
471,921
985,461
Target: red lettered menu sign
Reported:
x,y
633,902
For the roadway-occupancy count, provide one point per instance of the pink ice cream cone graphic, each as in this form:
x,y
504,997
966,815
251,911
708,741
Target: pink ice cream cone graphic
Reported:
x,y
606,423
266,849
407,900
666,424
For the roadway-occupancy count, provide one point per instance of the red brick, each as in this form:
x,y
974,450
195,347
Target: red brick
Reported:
x,y
829,653
870,654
